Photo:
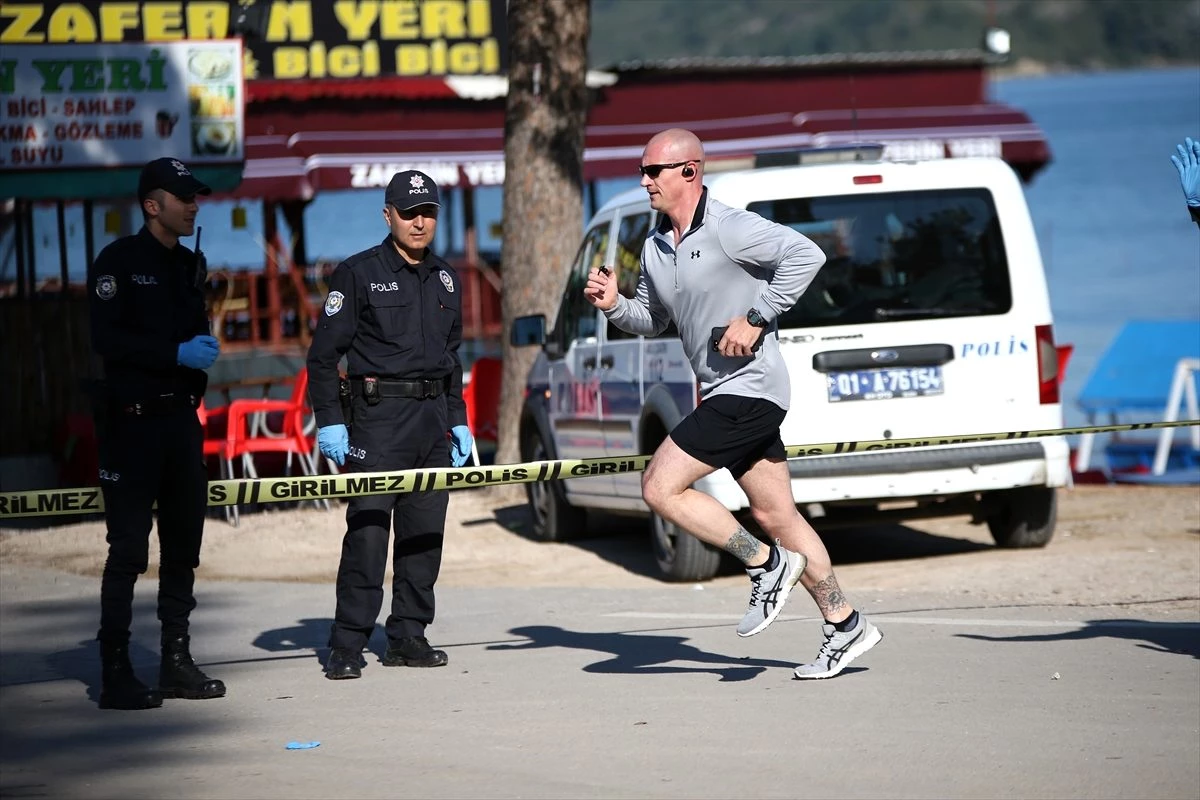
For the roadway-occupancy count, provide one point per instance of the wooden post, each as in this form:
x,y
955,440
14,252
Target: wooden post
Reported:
x,y
471,250
30,250
89,234
297,266
61,213
31,247
64,309
19,235
271,274
252,292
293,214
470,235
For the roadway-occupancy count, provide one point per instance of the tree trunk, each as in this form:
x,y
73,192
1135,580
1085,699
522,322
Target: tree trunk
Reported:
x,y
545,117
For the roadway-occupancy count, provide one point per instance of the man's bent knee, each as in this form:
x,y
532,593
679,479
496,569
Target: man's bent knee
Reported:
x,y
653,492
775,518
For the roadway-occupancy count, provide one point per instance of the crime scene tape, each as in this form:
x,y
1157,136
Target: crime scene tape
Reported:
x,y
248,491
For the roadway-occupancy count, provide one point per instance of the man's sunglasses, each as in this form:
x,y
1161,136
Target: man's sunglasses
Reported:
x,y
654,170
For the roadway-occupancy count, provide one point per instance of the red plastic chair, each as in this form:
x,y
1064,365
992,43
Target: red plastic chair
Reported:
x,y
215,446
291,440
268,422
482,398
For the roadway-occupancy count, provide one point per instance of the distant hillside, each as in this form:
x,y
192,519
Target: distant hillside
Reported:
x,y
1059,34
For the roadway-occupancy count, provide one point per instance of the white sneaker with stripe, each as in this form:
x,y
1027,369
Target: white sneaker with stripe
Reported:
x,y
839,649
769,591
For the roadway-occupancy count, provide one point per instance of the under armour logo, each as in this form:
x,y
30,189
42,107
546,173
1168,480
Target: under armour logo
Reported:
x,y
695,254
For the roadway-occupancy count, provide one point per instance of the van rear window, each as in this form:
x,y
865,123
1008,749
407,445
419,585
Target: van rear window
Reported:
x,y
899,255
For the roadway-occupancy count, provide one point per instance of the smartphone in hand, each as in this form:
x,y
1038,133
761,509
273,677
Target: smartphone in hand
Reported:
x,y
717,333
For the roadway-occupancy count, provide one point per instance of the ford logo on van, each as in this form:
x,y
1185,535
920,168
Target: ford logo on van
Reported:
x,y
885,356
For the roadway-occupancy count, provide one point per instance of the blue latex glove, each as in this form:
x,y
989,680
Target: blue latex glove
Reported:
x,y
334,441
199,352
461,443
1188,164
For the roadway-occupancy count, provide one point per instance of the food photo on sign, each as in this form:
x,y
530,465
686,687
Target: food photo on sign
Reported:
x,y
213,100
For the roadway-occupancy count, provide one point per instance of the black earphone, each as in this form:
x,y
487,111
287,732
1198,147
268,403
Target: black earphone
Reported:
x,y
687,171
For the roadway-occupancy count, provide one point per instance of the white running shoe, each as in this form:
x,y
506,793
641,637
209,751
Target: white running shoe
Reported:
x,y
770,590
839,649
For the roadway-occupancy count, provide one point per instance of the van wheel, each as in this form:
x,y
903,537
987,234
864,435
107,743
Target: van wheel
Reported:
x,y
681,556
1022,517
554,519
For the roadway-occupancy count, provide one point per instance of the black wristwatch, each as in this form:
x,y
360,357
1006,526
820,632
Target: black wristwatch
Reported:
x,y
755,318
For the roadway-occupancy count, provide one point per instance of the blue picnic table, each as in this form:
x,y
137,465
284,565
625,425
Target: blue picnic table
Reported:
x,y
1148,369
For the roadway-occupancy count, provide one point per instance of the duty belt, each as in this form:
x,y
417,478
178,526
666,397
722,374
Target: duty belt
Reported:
x,y
162,404
418,388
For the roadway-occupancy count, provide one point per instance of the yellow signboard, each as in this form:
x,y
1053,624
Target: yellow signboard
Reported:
x,y
290,39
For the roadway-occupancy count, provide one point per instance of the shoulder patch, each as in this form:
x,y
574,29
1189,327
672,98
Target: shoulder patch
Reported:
x,y
447,281
106,287
333,303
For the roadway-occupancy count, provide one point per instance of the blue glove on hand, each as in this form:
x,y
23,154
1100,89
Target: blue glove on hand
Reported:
x,y
1188,164
461,444
199,352
334,441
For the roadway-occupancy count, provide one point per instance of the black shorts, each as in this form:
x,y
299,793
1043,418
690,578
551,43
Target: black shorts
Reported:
x,y
732,432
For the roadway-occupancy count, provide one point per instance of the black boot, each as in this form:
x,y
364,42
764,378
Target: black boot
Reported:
x,y
180,677
413,651
119,686
343,664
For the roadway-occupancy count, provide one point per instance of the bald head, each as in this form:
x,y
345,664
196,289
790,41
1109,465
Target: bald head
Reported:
x,y
674,144
673,174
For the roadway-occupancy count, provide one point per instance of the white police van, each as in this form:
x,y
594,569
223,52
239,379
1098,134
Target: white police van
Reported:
x,y
929,319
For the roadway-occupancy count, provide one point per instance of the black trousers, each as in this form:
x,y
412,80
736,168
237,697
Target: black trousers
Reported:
x,y
398,433
143,460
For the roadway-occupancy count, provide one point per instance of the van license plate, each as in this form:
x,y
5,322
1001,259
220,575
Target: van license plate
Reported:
x,y
884,384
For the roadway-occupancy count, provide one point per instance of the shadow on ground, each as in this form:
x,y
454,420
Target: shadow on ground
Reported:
x,y
49,690
641,654
1181,638
309,638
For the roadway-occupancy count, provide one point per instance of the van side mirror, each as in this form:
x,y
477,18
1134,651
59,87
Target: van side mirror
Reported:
x,y
528,330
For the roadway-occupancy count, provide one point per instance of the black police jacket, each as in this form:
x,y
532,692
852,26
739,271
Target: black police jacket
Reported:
x,y
390,319
146,299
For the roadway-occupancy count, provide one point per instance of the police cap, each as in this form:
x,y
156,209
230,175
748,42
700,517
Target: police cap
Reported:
x,y
170,174
410,189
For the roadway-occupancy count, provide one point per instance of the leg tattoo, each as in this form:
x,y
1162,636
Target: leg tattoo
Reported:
x,y
829,596
743,545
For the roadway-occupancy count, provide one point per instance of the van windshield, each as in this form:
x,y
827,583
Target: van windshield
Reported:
x,y
895,256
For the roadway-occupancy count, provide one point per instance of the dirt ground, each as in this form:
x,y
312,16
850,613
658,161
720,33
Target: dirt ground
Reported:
x,y
1113,545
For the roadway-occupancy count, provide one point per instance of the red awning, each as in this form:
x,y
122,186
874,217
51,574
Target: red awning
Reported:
x,y
327,155
920,108
258,91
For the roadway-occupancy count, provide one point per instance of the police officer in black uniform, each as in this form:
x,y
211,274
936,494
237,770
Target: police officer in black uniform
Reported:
x,y
150,329
395,312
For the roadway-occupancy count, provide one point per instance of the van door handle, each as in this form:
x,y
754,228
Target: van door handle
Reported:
x,y
607,361
589,363
911,355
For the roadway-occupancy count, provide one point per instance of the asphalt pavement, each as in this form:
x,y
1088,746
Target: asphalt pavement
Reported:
x,y
604,693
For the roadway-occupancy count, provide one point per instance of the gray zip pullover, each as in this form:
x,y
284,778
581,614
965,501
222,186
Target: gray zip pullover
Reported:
x,y
729,261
